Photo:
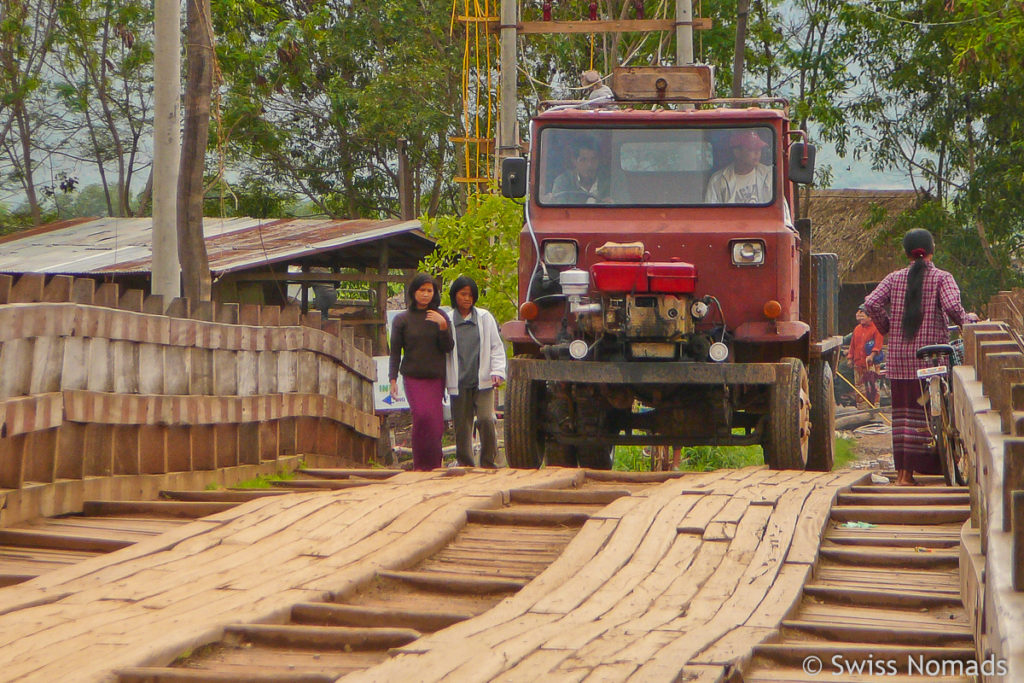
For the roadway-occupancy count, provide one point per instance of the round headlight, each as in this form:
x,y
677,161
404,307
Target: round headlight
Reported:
x,y
578,349
718,352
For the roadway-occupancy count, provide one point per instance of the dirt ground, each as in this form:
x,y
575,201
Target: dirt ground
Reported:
x,y
872,446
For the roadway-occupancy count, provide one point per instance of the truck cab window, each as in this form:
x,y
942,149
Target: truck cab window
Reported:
x,y
657,167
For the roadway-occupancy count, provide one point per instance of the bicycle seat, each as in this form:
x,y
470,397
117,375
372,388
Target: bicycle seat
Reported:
x,y
935,350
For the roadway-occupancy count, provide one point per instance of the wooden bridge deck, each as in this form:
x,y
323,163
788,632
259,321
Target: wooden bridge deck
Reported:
x,y
681,578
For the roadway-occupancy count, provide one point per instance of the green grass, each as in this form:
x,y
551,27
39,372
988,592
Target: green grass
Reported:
x,y
263,481
695,459
842,453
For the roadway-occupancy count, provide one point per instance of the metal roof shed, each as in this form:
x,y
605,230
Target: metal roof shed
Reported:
x,y
251,260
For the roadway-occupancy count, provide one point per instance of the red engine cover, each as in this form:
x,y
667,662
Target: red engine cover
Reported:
x,y
643,277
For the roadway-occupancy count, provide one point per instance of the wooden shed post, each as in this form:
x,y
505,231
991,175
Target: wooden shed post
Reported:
x,y
305,291
381,346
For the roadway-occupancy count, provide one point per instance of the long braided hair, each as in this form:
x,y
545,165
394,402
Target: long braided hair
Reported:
x,y
917,243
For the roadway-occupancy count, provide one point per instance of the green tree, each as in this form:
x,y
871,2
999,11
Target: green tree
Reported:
x,y
935,106
483,243
102,76
318,94
26,37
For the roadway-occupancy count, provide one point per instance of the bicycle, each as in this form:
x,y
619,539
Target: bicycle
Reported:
x,y
937,394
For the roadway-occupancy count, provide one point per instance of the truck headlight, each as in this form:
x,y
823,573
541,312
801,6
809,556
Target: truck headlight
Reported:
x,y
747,252
560,252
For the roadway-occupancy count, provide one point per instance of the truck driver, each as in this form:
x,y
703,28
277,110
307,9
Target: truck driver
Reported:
x,y
581,184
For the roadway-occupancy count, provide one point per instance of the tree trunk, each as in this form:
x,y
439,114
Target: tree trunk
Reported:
x,y
28,172
146,198
195,266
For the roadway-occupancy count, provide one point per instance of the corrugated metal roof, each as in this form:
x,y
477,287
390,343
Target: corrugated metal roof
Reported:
x,y
124,245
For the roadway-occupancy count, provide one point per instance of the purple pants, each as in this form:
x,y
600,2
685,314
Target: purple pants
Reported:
x,y
910,435
425,397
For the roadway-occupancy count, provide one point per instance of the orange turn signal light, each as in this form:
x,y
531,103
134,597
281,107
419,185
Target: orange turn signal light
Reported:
x,y
772,309
528,311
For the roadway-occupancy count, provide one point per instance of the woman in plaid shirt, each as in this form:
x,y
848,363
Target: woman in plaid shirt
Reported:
x,y
914,306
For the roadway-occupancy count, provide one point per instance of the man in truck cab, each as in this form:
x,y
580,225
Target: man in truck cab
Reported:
x,y
582,183
746,180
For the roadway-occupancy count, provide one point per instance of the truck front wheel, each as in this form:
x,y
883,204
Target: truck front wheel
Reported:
x,y
524,438
787,439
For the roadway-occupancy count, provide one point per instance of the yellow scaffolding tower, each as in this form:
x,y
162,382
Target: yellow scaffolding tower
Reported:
x,y
479,91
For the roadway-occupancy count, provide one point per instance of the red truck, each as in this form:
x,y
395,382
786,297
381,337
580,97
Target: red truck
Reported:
x,y
667,296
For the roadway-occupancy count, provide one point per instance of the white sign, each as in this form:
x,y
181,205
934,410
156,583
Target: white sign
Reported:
x,y
382,400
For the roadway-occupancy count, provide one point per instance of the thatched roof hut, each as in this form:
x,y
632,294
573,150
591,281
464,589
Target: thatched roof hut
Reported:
x,y
853,223
856,225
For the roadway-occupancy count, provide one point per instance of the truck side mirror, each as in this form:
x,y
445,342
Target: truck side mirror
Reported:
x,y
513,177
801,163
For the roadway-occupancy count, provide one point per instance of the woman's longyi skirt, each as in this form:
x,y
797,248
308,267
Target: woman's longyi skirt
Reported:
x,y
910,435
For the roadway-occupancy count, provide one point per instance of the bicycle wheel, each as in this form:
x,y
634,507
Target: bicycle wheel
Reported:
x,y
953,453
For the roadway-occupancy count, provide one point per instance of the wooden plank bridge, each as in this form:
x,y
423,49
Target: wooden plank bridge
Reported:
x,y
506,575
117,411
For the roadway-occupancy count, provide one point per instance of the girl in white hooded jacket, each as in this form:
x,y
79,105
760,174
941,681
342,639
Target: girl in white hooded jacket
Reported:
x,y
476,366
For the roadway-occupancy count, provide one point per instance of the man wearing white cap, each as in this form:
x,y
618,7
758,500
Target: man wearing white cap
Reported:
x,y
596,89
746,180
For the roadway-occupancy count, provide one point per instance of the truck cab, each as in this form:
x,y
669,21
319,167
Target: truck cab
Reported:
x,y
664,288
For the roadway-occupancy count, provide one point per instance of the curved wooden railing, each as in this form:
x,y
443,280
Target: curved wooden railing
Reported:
x,y
99,382
989,400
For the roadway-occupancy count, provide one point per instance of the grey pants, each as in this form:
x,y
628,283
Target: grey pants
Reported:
x,y
467,404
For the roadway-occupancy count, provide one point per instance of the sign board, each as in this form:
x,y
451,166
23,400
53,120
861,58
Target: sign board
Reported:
x,y
692,82
382,401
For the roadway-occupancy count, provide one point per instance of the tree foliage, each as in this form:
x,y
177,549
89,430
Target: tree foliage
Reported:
x,y
483,243
937,78
319,94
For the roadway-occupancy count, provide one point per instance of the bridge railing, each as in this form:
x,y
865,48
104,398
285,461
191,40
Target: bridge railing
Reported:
x,y
100,382
989,400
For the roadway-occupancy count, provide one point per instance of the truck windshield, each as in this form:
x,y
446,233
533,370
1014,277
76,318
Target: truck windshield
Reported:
x,y
656,166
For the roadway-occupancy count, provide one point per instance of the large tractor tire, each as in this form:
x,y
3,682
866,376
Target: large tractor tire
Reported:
x,y
787,439
823,417
524,439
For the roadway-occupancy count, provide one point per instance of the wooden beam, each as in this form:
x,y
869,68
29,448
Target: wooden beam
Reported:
x,y
383,255
319,277
606,26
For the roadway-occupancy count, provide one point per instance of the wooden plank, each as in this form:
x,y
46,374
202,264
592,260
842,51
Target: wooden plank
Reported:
x,y
584,496
44,539
330,614
345,473
164,508
811,526
901,514
605,26
27,289
783,597
526,516
455,583
58,289
320,637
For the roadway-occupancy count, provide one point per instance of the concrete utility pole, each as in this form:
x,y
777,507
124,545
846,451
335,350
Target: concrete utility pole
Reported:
x,y
684,32
508,130
166,278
